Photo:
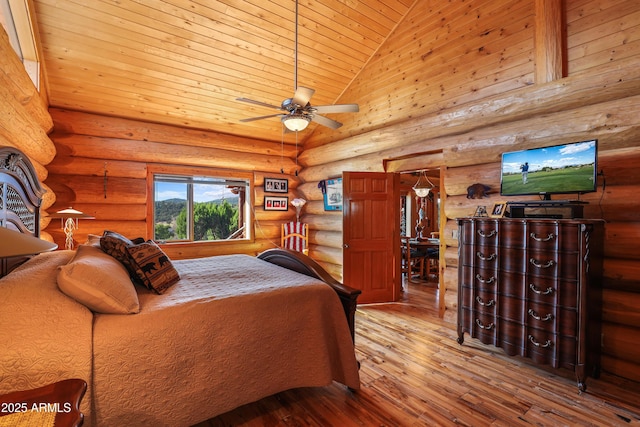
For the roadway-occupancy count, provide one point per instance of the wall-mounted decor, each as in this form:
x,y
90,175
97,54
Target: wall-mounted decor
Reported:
x,y
498,210
333,195
275,185
272,203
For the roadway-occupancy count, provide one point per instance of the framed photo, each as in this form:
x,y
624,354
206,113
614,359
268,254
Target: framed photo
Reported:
x,y
272,203
275,185
481,211
333,195
498,210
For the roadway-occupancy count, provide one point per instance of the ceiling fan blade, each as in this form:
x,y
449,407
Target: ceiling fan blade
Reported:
x,y
302,96
252,119
263,104
338,108
324,121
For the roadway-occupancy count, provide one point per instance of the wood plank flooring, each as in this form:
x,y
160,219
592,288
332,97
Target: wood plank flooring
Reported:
x,y
414,373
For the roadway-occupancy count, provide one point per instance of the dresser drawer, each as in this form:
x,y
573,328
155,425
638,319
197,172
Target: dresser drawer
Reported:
x,y
551,237
552,290
552,264
546,318
548,349
485,280
481,301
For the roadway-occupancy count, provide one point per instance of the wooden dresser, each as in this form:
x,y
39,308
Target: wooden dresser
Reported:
x,y
533,288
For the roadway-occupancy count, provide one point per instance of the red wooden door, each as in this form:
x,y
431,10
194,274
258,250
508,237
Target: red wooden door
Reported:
x,y
371,241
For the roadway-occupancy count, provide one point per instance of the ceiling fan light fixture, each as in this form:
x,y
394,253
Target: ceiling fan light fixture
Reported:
x,y
423,187
296,122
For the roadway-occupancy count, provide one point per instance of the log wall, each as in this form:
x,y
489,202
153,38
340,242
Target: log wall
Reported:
x,y
24,119
466,116
89,146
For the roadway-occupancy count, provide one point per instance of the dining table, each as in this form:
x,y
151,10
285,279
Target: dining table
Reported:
x,y
426,246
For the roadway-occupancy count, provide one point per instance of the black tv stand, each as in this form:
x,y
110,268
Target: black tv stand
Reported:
x,y
519,209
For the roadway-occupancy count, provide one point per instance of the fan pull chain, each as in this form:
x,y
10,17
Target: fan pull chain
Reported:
x,y
296,153
282,151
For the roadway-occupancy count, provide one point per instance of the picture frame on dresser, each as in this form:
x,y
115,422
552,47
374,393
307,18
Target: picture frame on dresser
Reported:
x,y
498,210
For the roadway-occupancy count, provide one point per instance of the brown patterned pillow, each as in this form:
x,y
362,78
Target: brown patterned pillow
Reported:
x,y
115,244
153,267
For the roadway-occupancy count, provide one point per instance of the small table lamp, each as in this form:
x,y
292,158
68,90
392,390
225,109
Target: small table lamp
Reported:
x,y
16,244
69,218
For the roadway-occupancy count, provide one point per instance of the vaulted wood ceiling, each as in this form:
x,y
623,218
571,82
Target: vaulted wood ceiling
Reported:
x,y
185,62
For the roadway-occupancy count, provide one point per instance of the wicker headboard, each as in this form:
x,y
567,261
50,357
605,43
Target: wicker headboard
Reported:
x,y
20,192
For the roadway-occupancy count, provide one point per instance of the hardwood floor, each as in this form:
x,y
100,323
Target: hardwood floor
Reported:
x,y
414,373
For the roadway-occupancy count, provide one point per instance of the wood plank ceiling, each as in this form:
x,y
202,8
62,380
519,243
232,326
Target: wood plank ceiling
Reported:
x,y
184,62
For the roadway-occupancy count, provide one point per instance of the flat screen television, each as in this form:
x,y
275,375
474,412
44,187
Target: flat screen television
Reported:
x,y
559,169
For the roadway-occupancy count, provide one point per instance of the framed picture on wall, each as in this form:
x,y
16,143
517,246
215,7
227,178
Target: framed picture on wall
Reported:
x,y
275,185
333,195
272,203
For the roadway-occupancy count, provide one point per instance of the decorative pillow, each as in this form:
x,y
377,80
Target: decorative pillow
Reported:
x,y
153,266
93,240
99,282
115,245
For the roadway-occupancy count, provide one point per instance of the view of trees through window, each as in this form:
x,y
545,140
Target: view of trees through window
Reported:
x,y
197,209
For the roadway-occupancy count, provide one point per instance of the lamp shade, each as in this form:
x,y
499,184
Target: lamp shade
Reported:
x,y
70,213
296,122
13,243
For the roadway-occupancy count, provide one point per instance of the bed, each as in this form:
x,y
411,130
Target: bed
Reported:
x,y
232,330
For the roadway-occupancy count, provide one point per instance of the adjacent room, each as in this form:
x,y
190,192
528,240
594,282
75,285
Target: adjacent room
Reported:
x,y
286,212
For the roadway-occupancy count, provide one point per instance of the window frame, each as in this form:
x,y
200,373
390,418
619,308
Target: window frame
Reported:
x,y
190,171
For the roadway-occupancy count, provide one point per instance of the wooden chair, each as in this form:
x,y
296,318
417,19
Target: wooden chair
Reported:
x,y
295,236
411,264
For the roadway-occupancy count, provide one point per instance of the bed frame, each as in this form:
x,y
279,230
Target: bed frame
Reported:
x,y
21,198
301,263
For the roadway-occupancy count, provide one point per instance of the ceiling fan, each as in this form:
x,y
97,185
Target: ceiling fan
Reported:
x,y
297,111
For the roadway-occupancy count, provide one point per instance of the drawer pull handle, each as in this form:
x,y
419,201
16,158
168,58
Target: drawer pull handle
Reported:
x,y
535,237
483,280
536,316
548,264
486,258
482,326
485,304
535,289
537,344
492,233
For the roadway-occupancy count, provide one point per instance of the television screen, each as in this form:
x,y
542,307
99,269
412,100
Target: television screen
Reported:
x,y
559,169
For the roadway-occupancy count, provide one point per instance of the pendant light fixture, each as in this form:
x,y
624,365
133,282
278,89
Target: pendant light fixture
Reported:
x,y
423,186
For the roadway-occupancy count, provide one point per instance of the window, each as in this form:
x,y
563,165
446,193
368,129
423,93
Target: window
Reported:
x,y
196,208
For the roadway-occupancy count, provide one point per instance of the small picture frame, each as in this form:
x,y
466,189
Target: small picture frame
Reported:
x,y
333,195
498,210
276,185
481,211
272,203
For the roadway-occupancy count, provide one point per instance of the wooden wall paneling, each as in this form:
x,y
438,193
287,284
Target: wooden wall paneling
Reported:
x,y
76,123
586,88
153,152
598,34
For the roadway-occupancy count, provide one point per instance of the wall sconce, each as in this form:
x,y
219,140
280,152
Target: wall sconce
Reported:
x,y
70,221
423,186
